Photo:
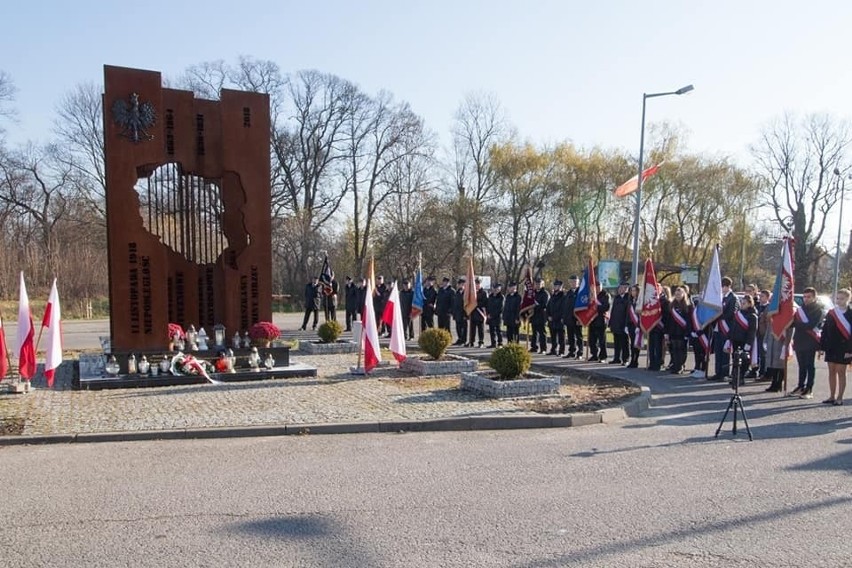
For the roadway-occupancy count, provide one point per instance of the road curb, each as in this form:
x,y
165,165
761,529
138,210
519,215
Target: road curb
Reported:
x,y
634,407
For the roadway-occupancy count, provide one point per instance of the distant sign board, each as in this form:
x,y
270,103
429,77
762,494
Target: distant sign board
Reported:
x,y
485,282
608,273
689,276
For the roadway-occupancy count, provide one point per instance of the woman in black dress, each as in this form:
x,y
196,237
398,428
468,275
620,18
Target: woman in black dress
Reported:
x,y
836,343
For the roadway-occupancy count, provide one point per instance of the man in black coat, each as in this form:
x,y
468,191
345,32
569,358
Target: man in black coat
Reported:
x,y
597,327
721,336
459,314
380,298
512,314
477,317
494,312
806,340
573,329
430,297
313,301
444,303
555,312
329,300
539,319
406,298
618,325
350,295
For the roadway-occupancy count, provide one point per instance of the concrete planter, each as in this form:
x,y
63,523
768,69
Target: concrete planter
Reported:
x,y
532,384
318,348
449,365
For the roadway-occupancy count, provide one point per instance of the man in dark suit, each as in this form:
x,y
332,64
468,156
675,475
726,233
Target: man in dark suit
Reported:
x,y
313,301
444,304
406,298
459,314
721,339
512,314
597,327
539,319
555,312
806,340
350,295
573,329
618,325
430,298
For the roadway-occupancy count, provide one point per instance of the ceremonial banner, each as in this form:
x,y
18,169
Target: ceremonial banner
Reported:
x,y
652,311
781,308
470,290
528,299
586,306
709,306
325,278
419,299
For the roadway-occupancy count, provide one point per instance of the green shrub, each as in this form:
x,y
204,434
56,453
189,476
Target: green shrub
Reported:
x,y
330,331
434,342
510,361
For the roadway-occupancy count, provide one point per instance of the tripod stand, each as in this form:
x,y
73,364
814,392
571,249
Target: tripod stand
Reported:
x,y
736,402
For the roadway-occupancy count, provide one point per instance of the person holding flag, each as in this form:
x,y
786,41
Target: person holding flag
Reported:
x,y
781,311
654,306
679,328
721,338
707,310
573,329
836,343
418,299
586,303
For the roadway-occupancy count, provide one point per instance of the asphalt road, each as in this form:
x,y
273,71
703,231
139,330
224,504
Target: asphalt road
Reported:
x,y
653,491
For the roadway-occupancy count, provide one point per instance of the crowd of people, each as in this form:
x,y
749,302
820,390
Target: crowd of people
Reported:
x,y
741,342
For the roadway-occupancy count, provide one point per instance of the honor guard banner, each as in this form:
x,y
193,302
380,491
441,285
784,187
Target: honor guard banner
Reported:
x,y
781,308
586,306
652,311
528,301
709,306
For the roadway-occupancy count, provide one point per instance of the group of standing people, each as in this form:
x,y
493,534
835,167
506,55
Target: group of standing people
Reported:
x,y
741,341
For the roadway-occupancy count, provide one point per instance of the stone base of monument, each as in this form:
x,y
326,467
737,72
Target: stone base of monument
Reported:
x,y
531,384
136,381
92,373
319,348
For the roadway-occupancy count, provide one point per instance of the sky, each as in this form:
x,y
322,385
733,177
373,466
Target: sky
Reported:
x,y
563,70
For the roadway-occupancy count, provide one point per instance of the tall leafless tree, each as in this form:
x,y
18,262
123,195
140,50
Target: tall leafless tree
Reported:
x,y
796,159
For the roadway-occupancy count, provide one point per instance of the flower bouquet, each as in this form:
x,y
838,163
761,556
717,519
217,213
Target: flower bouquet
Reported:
x,y
183,364
263,332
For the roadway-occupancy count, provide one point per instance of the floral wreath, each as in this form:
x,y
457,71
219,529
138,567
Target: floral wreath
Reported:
x,y
183,364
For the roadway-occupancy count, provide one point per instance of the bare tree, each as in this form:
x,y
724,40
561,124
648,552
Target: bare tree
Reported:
x,y
7,95
796,159
382,136
78,127
480,123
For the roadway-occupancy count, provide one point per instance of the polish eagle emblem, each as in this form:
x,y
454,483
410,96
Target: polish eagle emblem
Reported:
x,y
134,118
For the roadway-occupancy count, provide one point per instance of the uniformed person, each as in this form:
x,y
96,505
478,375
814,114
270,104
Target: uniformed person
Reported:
x,y
573,328
430,296
555,313
539,319
444,304
494,313
459,314
512,314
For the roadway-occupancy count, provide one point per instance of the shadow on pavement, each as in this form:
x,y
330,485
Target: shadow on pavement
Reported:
x,y
597,553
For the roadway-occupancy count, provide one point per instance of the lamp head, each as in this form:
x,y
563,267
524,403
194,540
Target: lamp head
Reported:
x,y
684,90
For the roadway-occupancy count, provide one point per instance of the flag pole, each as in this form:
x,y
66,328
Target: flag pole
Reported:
x,y
5,343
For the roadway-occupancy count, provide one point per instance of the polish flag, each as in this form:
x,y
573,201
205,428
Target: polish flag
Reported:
x,y
631,185
4,359
25,346
52,322
392,316
372,352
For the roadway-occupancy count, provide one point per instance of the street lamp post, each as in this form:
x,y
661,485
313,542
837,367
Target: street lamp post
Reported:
x,y
842,182
645,96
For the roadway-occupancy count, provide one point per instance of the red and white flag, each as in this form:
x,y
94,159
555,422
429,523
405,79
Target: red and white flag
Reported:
x,y
652,310
372,351
52,322
25,345
4,359
631,185
393,317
